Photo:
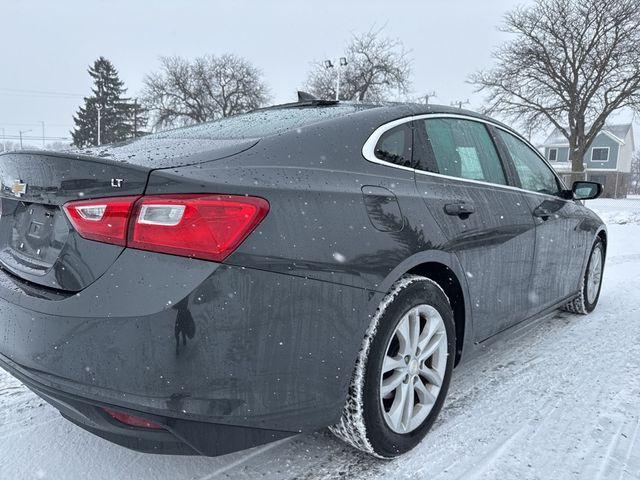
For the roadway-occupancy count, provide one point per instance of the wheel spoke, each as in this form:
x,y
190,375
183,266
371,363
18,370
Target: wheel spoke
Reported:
x,y
404,337
424,395
392,363
408,404
414,331
391,383
397,409
432,326
431,375
431,347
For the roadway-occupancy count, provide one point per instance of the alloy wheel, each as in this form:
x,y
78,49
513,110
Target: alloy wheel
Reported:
x,y
413,369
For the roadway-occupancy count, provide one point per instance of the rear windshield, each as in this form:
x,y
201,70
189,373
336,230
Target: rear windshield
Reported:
x,y
259,124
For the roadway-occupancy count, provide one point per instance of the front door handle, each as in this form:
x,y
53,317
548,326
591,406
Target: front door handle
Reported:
x,y
459,209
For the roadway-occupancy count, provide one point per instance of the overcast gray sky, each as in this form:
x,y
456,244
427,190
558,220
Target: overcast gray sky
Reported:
x,y
48,45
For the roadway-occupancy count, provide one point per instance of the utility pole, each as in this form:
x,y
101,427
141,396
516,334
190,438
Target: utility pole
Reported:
x,y
460,103
42,134
21,132
135,118
98,108
428,96
4,143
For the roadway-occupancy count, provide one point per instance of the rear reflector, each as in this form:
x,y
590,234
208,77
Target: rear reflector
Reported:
x,y
201,226
132,420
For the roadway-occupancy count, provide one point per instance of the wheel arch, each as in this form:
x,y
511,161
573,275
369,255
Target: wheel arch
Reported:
x,y
602,235
444,269
446,278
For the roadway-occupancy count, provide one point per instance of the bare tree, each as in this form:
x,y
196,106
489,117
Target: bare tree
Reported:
x,y
376,66
571,63
207,88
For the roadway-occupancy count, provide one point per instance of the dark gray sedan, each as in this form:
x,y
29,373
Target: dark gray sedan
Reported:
x,y
316,264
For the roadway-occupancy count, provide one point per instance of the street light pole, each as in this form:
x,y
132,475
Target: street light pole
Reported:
x,y
98,108
342,62
42,134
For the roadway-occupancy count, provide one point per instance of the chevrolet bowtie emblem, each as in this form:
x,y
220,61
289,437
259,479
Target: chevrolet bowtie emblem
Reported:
x,y
18,188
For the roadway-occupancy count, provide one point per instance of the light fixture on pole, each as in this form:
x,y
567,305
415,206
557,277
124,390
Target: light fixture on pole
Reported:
x,y
342,62
98,108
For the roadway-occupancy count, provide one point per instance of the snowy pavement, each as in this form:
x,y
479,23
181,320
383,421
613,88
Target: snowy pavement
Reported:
x,y
559,399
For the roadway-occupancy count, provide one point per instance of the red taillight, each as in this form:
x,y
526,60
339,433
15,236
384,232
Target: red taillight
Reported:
x,y
104,220
132,420
210,226
201,226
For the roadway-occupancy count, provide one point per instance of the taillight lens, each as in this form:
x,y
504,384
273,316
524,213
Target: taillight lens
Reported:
x,y
209,227
104,220
202,226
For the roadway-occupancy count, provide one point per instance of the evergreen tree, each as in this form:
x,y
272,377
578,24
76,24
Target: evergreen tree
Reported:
x,y
120,117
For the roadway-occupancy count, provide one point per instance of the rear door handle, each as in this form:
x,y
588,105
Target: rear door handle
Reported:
x,y
542,213
459,209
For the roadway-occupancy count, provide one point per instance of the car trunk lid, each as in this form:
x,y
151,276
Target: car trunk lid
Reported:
x,y
37,242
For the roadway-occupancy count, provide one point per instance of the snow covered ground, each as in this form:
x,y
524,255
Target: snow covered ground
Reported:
x,y
559,399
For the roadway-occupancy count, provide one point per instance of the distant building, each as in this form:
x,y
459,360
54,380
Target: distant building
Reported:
x,y
608,160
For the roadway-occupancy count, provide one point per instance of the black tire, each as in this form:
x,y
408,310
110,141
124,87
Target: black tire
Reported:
x,y
362,423
581,304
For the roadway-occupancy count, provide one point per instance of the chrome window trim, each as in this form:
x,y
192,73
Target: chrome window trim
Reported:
x,y
368,151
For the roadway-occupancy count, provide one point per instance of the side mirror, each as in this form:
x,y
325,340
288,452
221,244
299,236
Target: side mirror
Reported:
x,y
586,190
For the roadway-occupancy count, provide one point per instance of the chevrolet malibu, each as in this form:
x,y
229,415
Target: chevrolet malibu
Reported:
x,y
217,287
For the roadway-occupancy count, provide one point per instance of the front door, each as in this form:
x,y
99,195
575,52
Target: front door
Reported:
x,y
560,241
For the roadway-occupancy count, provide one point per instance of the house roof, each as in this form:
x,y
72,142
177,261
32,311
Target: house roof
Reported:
x,y
616,132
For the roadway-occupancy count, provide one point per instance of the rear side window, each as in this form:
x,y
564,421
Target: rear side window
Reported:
x,y
394,146
464,149
534,174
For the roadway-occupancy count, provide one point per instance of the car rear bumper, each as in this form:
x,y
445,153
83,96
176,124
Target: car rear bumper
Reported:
x,y
218,349
177,437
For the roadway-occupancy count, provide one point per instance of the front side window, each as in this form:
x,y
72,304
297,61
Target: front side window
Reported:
x,y
464,149
600,155
394,146
535,175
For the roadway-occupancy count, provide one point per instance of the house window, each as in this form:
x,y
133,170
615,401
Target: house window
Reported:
x,y
553,154
600,154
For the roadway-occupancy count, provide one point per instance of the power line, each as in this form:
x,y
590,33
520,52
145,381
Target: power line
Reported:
x,y
32,137
18,92
35,124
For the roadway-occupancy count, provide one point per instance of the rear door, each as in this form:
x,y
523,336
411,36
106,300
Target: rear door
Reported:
x,y
561,243
487,223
